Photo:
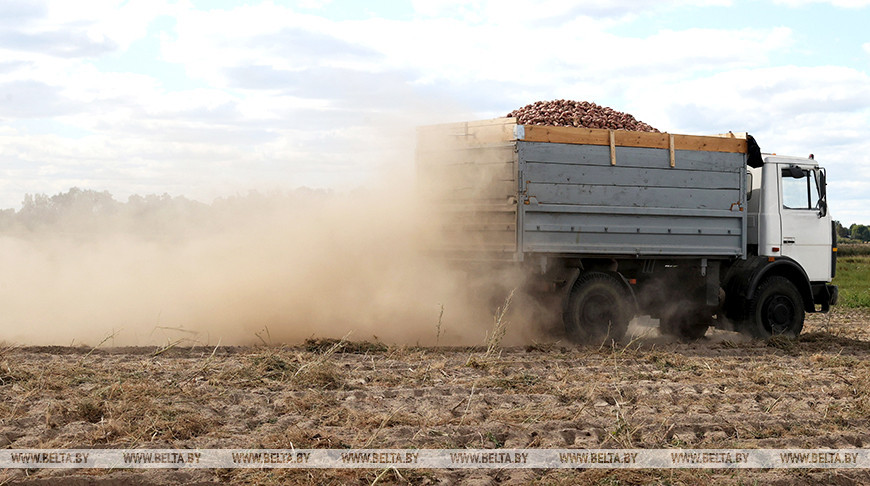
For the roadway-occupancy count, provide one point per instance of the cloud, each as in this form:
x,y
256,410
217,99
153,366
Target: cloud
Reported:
x,y
88,29
217,47
344,88
28,99
57,43
313,4
547,12
300,46
12,66
15,13
856,4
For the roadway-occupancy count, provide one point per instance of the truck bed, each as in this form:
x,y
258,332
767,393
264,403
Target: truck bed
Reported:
x,y
504,191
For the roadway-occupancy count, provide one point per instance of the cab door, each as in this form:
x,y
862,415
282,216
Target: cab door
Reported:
x,y
806,224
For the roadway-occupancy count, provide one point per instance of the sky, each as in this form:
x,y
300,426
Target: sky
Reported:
x,y
209,98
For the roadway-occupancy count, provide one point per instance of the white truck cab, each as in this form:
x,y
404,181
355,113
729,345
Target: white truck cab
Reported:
x,y
791,241
788,214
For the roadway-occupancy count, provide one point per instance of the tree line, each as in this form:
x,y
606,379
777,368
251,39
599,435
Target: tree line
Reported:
x,y
855,232
85,211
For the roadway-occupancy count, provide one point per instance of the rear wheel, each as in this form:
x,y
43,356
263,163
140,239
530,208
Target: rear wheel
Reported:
x,y
776,310
598,308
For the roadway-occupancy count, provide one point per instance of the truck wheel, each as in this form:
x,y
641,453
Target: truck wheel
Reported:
x,y
688,322
776,310
598,308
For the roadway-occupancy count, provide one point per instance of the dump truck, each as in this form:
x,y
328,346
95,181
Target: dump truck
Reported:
x,y
695,231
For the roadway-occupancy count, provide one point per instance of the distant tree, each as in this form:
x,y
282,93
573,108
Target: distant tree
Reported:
x,y
74,209
842,232
860,232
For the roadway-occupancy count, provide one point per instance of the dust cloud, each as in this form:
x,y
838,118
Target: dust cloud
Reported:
x,y
82,268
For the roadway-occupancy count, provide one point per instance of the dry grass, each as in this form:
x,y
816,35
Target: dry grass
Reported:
x,y
499,328
810,392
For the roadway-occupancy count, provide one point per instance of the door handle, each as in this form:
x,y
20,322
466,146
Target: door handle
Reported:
x,y
787,240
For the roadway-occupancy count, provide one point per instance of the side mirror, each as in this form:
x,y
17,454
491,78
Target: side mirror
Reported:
x,y
823,183
823,193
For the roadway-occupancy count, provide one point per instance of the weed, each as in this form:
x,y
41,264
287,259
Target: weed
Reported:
x,y
785,343
625,433
322,345
104,341
438,325
475,362
499,328
468,404
497,442
321,371
10,375
272,366
265,331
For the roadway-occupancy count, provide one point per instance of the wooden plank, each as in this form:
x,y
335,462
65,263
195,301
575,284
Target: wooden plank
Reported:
x,y
472,190
589,136
465,134
469,156
504,129
612,148
458,173
641,139
623,138
709,144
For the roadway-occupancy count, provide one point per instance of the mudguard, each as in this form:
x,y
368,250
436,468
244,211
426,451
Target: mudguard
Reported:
x,y
744,276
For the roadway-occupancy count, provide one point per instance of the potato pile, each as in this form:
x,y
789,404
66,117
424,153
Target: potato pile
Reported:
x,y
568,113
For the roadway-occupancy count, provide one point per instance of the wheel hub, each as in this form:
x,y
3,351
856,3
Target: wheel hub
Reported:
x,y
780,315
596,309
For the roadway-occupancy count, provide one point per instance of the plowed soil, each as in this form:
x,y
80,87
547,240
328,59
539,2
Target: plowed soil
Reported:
x,y
724,391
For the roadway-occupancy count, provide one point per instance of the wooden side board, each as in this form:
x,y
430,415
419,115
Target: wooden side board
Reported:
x,y
484,132
466,134
622,138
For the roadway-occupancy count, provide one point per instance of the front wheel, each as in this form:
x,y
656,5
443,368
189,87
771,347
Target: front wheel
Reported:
x,y
776,310
598,308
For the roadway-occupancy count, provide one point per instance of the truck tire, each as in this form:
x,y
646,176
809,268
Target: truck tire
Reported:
x,y
598,309
687,322
777,309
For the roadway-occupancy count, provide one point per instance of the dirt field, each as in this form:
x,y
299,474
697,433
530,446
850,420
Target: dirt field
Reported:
x,y
722,392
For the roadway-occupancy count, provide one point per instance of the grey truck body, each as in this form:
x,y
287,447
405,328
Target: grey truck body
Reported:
x,y
507,198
